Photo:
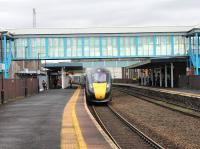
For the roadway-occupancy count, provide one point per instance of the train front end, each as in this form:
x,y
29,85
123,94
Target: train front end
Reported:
x,y
98,86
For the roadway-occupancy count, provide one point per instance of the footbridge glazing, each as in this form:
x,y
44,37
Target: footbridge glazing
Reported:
x,y
99,46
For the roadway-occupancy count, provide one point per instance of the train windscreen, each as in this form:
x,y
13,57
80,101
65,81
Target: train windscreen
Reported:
x,y
99,77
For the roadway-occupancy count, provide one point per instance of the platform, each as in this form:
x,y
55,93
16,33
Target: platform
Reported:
x,y
55,119
178,91
181,97
79,129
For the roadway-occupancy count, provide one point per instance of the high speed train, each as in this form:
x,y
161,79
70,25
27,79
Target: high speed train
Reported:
x,y
98,86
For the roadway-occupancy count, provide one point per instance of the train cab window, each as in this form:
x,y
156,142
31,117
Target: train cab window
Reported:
x,y
99,77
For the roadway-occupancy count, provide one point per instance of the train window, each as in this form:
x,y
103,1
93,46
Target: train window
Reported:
x,y
99,77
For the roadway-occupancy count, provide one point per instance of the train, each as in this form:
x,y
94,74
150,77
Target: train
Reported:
x,y
79,79
98,86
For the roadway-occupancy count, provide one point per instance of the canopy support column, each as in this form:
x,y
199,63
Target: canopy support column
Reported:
x,y
63,78
165,75
172,75
160,76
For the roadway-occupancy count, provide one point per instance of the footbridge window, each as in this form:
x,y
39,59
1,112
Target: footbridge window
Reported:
x,y
179,47
55,47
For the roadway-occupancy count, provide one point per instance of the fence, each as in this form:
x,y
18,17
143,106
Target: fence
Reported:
x,y
15,88
192,82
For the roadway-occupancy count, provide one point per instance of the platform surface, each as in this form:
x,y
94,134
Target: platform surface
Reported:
x,y
91,134
34,122
78,129
57,119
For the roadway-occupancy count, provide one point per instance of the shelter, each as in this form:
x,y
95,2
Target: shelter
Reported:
x,y
58,73
161,71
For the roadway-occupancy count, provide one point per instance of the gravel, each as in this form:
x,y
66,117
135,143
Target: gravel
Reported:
x,y
169,128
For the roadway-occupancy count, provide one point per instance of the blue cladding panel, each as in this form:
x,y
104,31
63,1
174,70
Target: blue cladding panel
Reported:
x,y
189,52
89,45
106,46
190,46
154,45
136,45
65,46
6,75
28,48
83,45
47,47
118,46
112,42
77,46
4,48
10,47
100,46
197,53
172,44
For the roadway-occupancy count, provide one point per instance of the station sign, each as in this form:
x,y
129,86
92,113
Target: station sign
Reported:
x,y
2,66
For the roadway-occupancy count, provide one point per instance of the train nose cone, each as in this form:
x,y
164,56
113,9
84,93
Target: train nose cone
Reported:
x,y
99,90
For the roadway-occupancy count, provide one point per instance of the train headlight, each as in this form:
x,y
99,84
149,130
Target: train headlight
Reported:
x,y
108,87
91,88
90,85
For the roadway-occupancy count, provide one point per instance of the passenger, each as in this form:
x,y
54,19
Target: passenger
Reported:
x,y
150,81
139,80
70,83
147,80
44,84
55,82
154,80
158,80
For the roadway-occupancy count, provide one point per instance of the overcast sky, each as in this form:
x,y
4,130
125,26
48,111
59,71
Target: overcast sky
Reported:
x,y
84,13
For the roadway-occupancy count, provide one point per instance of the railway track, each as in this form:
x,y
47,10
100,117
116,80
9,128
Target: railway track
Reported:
x,y
171,106
123,133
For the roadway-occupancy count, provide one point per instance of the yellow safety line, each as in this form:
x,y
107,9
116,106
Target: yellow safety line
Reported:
x,y
71,136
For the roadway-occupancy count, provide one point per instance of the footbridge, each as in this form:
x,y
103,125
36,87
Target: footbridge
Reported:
x,y
100,43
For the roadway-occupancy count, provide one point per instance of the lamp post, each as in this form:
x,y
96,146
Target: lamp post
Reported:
x,y
38,73
38,60
2,85
26,89
39,65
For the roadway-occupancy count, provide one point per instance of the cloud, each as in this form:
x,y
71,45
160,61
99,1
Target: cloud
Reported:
x,y
80,13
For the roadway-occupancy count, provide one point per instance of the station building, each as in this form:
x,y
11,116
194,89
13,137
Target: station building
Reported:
x,y
121,49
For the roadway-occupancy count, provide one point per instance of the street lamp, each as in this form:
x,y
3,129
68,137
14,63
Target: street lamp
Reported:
x,y
39,64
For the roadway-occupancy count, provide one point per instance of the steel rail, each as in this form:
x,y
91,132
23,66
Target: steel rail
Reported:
x,y
104,127
136,130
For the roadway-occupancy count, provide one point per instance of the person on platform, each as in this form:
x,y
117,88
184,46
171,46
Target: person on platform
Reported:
x,y
44,84
70,82
55,82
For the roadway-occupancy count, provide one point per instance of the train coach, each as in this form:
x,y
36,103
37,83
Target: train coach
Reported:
x,y
98,86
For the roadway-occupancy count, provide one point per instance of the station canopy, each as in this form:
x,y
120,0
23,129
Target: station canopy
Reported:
x,y
65,65
157,62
